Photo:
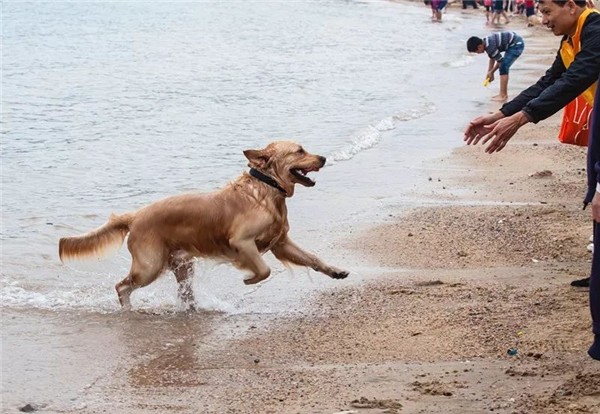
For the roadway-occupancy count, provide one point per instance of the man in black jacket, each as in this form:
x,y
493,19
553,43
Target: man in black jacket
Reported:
x,y
594,196
551,93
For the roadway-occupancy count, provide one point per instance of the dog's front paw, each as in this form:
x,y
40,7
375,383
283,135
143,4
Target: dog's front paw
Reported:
x,y
340,275
254,280
251,281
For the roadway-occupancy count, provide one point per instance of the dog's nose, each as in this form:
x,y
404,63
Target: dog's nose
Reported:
x,y
323,159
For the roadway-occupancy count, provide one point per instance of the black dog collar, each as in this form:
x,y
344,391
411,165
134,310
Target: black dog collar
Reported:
x,y
266,179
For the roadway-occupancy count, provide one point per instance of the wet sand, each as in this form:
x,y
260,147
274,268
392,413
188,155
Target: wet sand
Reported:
x,y
482,269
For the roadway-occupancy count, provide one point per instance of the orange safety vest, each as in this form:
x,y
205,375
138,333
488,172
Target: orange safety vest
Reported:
x,y
568,50
575,127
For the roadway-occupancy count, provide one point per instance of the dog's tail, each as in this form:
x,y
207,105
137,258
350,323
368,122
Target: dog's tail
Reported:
x,y
97,243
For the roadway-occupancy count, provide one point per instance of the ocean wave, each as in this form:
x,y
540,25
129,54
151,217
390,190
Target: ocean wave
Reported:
x,y
371,135
462,61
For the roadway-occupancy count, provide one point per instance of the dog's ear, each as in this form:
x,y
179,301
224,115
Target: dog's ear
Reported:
x,y
257,158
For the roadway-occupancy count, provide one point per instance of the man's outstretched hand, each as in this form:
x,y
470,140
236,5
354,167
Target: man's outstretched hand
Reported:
x,y
479,127
495,128
500,132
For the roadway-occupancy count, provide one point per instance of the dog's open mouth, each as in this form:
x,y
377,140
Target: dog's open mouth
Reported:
x,y
301,175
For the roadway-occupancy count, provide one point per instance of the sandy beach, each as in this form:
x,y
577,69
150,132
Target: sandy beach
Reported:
x,y
473,312
487,271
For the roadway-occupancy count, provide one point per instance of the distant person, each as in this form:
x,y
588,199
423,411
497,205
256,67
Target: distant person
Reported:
x,y
469,3
561,84
437,6
488,10
498,8
530,12
428,4
508,42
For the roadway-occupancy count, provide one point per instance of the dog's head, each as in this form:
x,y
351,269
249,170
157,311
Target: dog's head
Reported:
x,y
287,163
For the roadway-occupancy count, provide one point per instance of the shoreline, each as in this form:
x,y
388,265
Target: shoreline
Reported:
x,y
475,282
481,269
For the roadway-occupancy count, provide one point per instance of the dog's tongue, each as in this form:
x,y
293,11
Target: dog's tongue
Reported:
x,y
307,170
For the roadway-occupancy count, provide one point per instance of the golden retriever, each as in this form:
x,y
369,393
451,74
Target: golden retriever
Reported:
x,y
237,223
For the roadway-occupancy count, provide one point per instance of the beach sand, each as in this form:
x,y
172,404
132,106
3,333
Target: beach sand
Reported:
x,y
487,271
484,270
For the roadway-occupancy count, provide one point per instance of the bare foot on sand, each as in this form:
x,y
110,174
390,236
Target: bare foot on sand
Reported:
x,y
500,98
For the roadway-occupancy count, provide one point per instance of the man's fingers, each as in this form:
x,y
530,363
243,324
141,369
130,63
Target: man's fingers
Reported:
x,y
493,133
480,135
502,145
488,136
498,146
469,135
472,134
491,148
494,144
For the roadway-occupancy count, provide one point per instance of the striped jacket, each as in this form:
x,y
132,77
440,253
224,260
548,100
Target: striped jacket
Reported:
x,y
499,42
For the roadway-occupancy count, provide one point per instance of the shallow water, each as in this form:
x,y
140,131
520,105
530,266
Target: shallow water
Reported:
x,y
108,106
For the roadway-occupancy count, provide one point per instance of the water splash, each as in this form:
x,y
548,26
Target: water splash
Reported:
x,y
217,287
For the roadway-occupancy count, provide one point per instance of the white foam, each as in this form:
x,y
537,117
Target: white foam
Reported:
x,y
217,287
161,297
371,135
462,61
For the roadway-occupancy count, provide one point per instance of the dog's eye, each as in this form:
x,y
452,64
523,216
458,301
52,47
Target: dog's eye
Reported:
x,y
301,151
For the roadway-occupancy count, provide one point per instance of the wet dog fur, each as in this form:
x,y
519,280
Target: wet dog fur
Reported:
x,y
238,223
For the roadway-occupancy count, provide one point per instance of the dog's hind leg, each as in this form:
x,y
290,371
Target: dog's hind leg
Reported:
x,y
124,289
183,269
146,266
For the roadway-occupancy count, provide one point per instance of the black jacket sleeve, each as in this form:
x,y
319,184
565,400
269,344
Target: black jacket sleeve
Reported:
x,y
559,86
531,93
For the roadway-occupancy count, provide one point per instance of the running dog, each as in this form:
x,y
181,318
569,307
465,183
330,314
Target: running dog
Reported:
x,y
238,223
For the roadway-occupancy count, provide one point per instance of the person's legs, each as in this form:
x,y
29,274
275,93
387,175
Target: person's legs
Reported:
x,y
441,6
496,18
503,88
434,6
497,8
510,56
530,11
594,350
593,159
